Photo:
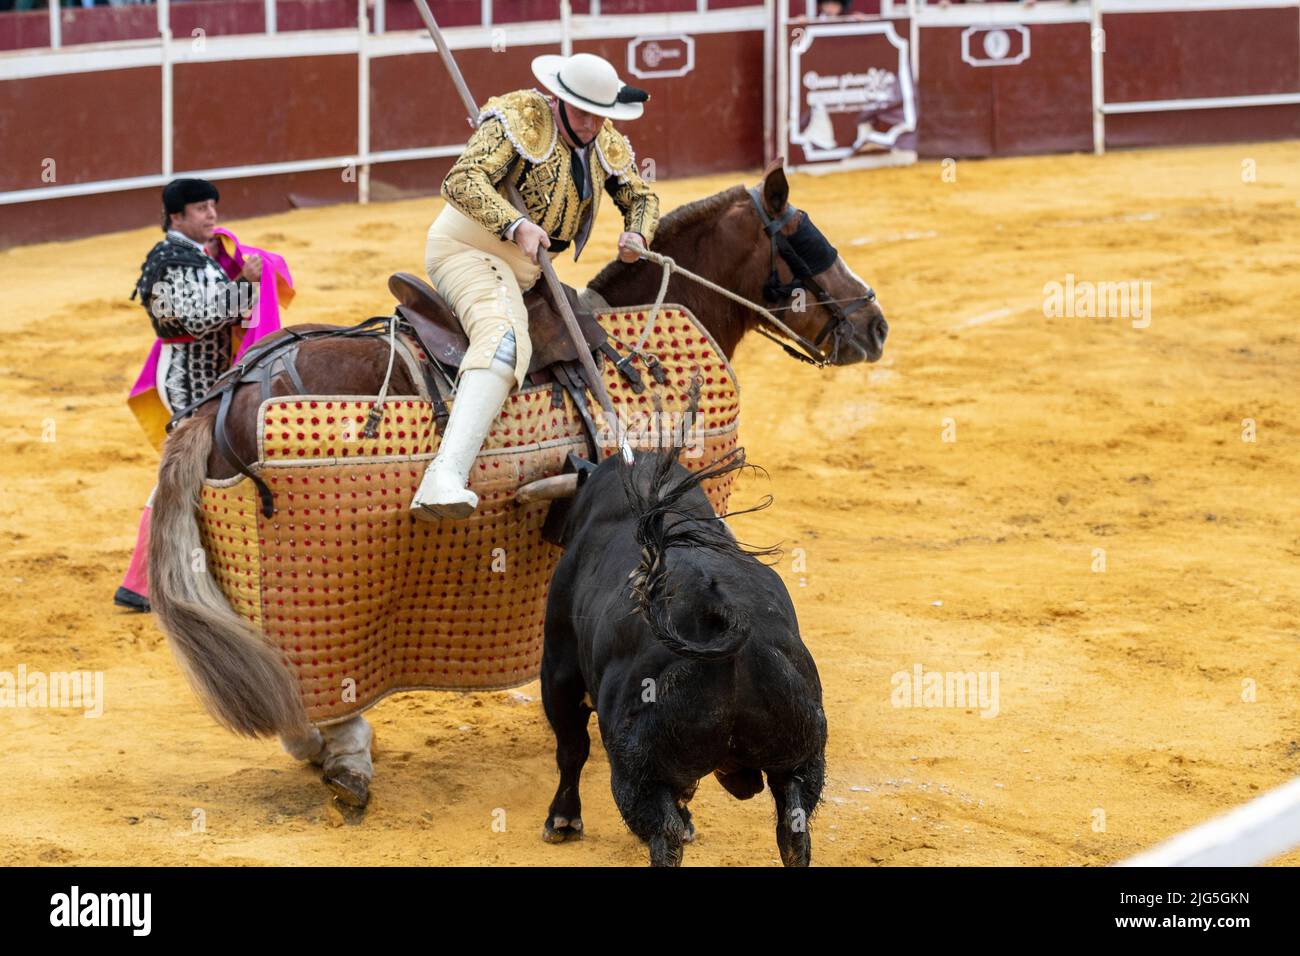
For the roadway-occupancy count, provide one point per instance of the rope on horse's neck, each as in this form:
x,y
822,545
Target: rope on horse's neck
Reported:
x,y
670,266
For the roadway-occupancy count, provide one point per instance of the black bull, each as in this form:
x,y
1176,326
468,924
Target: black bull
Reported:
x,y
688,649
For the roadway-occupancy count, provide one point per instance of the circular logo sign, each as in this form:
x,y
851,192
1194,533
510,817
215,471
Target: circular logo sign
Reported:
x,y
997,44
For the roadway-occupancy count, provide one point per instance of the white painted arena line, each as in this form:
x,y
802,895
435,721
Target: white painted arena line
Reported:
x,y
893,237
1108,220
985,317
1253,833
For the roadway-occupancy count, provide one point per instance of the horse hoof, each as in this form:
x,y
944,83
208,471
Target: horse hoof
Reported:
x,y
350,787
560,829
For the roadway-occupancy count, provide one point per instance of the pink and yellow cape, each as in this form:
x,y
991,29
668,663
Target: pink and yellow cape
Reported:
x,y
275,289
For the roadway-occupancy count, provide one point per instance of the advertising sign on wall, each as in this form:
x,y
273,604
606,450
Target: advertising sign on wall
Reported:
x,y
851,93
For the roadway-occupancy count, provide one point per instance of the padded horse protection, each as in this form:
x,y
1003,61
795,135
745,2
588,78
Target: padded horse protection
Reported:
x,y
428,318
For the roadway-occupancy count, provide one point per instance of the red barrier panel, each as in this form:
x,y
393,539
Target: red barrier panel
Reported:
x,y
24,29
53,219
108,127
1237,125
216,124
293,15
217,18
996,107
103,24
1044,105
75,216
617,7
1153,57
1158,56
956,102
406,180
709,121
413,102
402,15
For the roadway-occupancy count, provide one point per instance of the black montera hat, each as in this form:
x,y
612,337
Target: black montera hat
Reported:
x,y
179,193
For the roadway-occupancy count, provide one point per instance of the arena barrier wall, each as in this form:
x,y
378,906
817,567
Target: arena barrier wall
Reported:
x,y
282,119
295,102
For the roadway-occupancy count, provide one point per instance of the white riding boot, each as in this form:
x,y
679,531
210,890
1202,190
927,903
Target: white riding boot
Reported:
x,y
478,400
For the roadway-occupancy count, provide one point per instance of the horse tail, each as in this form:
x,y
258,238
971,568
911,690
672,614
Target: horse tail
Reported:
x,y
235,672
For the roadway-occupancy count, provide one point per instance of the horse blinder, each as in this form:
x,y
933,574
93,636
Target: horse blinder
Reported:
x,y
808,254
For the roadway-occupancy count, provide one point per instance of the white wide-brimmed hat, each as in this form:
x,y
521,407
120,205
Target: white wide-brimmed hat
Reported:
x,y
589,83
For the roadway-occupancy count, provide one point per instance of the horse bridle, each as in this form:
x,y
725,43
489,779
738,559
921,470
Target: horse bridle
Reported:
x,y
808,243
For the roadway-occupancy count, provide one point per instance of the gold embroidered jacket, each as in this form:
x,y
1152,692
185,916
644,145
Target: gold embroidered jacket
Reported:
x,y
520,124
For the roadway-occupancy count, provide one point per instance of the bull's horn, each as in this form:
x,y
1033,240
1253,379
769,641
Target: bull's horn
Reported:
x,y
548,489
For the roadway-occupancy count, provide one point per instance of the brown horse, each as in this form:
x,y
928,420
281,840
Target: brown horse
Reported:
x,y
726,238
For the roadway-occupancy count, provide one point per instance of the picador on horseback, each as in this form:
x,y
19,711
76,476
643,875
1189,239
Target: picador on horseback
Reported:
x,y
482,255
387,603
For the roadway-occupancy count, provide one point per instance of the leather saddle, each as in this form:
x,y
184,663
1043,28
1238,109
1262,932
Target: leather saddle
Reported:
x,y
443,339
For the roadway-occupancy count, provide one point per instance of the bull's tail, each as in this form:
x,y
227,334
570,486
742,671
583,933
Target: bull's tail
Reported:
x,y
664,493
731,629
237,675
723,647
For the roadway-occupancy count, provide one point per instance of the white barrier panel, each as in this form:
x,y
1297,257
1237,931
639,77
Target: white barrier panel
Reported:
x,y
1253,833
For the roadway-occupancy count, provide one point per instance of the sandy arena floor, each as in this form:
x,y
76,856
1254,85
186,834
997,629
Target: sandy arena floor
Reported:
x,y
1123,709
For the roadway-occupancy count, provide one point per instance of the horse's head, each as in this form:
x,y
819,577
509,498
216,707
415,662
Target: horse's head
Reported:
x,y
809,286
